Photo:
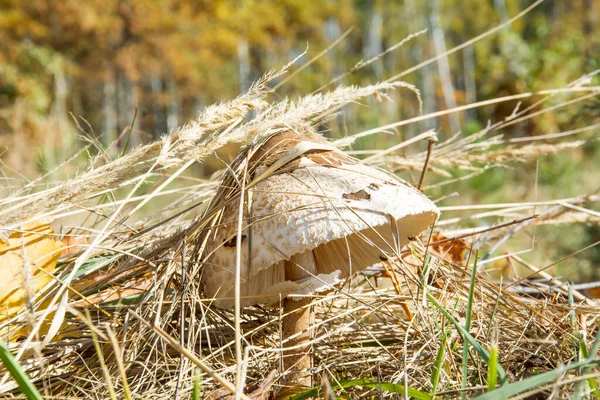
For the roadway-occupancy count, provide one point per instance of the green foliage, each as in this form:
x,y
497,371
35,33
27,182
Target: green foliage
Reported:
x,y
171,57
17,373
196,389
483,353
366,383
439,363
492,372
535,382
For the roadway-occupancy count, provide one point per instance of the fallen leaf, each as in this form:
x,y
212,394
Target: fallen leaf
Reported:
x,y
27,260
72,243
593,292
452,250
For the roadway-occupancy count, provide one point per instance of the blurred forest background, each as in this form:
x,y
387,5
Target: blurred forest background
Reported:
x,y
77,68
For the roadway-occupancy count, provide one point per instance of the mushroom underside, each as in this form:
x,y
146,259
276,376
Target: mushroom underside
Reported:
x,y
335,260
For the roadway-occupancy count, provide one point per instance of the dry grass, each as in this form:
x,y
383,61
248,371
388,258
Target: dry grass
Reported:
x,y
128,319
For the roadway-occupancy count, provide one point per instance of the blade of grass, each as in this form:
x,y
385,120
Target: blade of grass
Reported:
x,y
366,383
239,383
119,356
439,363
465,353
17,373
583,354
513,389
532,382
591,381
100,355
483,353
196,390
492,369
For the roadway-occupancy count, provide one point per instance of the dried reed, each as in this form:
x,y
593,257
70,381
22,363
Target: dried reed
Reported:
x,y
150,325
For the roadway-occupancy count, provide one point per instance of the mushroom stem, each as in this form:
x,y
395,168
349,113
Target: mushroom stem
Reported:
x,y
298,318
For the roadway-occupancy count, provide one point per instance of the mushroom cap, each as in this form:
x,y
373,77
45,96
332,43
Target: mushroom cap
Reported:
x,y
323,201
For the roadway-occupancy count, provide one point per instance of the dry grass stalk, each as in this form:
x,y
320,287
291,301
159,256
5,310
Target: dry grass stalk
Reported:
x,y
359,335
194,141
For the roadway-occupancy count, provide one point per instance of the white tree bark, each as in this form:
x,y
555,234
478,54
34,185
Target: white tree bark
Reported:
x,y
160,126
174,105
244,65
439,43
469,77
373,43
109,109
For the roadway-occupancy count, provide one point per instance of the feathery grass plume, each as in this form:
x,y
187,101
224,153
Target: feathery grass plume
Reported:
x,y
171,152
476,159
292,114
194,141
271,119
151,268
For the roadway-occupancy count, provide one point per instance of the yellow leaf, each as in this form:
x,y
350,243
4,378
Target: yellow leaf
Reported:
x,y
27,262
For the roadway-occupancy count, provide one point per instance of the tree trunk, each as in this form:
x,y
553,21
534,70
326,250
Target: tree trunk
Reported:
x,y
439,43
174,105
469,77
244,65
160,124
373,43
109,108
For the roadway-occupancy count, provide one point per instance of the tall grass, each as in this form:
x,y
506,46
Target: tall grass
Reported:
x,y
149,330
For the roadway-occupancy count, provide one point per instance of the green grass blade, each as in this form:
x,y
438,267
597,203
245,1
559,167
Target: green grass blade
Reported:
x,y
366,383
595,346
513,389
591,381
592,354
439,363
196,390
483,353
595,393
465,353
583,354
492,371
15,370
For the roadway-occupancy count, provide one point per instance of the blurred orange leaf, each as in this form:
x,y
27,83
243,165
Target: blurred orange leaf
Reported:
x,y
72,243
27,260
452,251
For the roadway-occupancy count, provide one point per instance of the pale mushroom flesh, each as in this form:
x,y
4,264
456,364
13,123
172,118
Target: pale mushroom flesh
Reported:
x,y
323,201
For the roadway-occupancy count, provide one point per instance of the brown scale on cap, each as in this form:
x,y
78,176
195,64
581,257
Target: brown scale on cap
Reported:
x,y
279,144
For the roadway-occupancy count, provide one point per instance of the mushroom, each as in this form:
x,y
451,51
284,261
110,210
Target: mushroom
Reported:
x,y
313,216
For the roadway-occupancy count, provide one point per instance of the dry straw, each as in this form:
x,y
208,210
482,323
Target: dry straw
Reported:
x,y
149,325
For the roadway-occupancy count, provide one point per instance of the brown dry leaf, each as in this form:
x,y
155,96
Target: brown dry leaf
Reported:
x,y
72,243
452,251
593,292
133,286
27,261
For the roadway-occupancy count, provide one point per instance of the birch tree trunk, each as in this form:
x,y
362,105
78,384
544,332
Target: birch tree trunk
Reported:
x,y
500,6
373,42
469,78
335,55
425,74
126,100
109,108
244,65
439,43
173,106
160,125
